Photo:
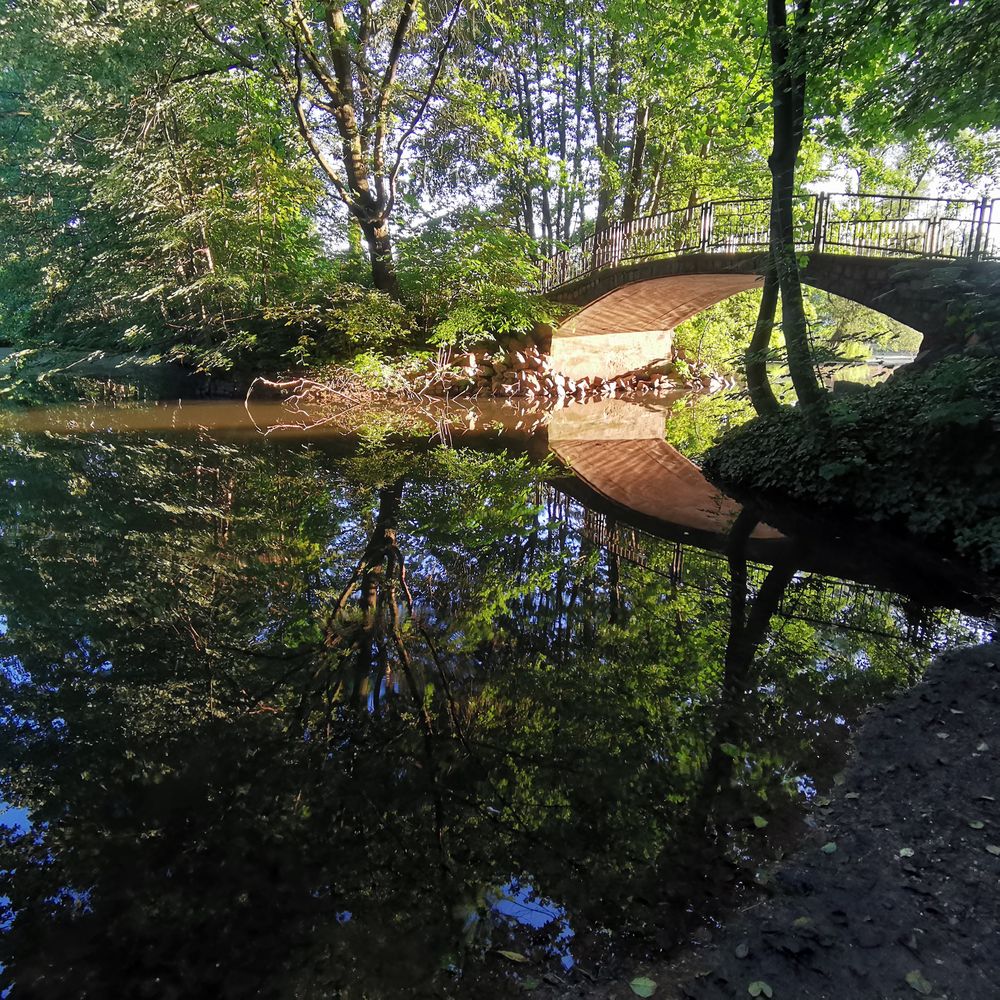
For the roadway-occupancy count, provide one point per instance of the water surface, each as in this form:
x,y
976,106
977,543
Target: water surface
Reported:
x,y
393,705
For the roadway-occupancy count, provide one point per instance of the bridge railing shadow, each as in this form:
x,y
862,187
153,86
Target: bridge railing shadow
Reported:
x,y
859,224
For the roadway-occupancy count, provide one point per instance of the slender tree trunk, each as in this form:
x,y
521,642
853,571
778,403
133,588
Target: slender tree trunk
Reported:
x,y
606,116
788,104
755,359
637,161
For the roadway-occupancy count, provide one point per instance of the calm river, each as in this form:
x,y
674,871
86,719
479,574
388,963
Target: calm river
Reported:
x,y
392,705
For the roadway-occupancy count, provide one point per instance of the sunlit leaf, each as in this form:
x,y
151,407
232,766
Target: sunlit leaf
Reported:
x,y
513,956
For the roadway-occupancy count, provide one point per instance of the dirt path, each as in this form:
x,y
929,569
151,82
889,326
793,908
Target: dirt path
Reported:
x,y
897,894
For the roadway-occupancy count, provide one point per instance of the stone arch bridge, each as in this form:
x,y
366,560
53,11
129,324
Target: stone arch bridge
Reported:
x,y
931,263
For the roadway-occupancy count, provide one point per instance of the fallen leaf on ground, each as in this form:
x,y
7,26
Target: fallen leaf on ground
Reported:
x,y
906,852
918,982
993,849
758,988
829,848
742,950
641,986
759,822
513,956
976,824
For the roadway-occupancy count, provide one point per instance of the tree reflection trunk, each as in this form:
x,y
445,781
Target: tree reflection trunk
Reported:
x,y
748,628
378,564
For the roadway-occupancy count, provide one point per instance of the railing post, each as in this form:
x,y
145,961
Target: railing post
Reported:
x,y
819,221
978,228
706,226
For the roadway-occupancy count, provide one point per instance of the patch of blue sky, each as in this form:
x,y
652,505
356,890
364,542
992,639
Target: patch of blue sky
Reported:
x,y
520,903
14,818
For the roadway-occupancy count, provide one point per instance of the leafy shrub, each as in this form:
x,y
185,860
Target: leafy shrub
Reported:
x,y
920,451
472,280
336,321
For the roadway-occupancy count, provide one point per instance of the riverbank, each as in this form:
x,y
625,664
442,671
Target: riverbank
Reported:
x,y
35,375
916,454
519,370
894,894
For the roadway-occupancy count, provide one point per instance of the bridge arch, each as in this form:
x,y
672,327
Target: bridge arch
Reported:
x,y
918,261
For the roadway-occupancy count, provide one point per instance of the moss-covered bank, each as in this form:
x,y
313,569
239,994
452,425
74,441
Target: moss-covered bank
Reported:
x,y
919,453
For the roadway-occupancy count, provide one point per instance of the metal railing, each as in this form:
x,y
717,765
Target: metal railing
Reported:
x,y
871,225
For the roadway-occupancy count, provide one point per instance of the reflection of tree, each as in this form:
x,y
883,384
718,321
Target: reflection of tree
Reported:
x,y
748,629
286,725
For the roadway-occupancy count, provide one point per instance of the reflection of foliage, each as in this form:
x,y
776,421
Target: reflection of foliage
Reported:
x,y
696,422
243,781
919,451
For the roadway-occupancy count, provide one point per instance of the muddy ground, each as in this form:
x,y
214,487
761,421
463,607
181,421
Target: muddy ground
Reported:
x,y
897,893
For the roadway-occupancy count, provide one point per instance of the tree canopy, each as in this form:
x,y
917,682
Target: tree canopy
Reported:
x,y
223,177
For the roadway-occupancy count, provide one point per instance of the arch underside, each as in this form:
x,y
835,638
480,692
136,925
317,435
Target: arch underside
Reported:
x,y
633,325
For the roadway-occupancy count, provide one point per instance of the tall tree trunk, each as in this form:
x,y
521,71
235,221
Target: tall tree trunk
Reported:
x,y
636,163
788,106
755,359
606,119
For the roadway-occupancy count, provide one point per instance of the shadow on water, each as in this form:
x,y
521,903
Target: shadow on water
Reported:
x,y
331,712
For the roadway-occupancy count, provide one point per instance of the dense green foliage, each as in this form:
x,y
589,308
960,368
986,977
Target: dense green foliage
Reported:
x,y
919,452
223,180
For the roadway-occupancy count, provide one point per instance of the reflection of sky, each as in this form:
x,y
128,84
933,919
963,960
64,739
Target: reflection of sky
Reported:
x,y
17,819
522,905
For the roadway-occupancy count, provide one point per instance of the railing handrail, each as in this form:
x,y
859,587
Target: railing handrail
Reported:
x,y
964,229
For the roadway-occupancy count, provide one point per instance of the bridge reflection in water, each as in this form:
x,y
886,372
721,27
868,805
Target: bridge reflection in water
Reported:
x,y
642,501
618,465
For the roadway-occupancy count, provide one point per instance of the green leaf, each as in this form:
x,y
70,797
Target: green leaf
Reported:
x,y
993,849
976,824
641,986
917,981
906,852
759,822
513,956
758,988
829,848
